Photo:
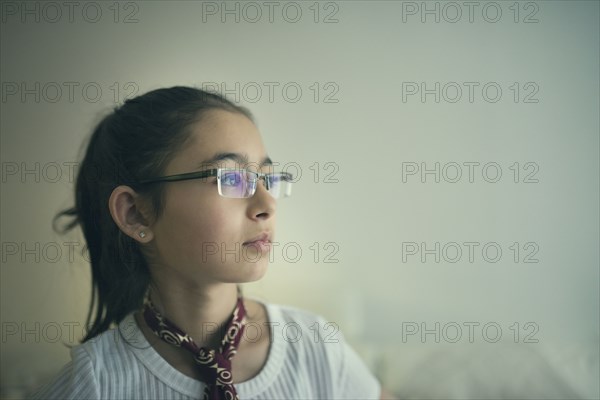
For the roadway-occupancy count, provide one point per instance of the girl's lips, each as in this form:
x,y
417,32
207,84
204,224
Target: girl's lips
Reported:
x,y
263,237
261,245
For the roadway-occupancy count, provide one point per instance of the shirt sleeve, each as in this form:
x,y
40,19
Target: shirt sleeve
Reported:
x,y
76,380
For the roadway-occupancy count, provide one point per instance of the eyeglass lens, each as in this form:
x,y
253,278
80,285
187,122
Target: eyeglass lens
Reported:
x,y
242,183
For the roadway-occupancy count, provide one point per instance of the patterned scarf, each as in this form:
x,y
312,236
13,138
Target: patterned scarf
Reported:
x,y
215,367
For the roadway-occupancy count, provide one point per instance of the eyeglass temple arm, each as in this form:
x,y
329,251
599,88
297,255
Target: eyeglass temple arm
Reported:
x,y
181,177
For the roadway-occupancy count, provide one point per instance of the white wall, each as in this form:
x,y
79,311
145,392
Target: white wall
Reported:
x,y
366,59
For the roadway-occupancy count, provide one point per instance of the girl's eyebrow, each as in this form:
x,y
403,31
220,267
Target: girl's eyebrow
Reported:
x,y
237,157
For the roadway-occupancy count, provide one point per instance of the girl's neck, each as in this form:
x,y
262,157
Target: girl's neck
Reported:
x,y
202,313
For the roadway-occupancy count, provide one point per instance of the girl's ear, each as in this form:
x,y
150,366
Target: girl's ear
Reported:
x,y
124,205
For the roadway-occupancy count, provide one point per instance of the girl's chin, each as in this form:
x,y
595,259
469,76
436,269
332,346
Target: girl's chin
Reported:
x,y
253,272
237,272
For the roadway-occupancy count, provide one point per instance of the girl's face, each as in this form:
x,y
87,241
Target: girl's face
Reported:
x,y
199,237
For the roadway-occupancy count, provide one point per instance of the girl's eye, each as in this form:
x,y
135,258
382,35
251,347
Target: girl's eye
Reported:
x,y
231,179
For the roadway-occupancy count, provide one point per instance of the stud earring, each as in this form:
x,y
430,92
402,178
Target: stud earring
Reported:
x,y
142,234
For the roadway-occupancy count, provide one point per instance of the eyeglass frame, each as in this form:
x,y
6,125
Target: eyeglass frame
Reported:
x,y
214,172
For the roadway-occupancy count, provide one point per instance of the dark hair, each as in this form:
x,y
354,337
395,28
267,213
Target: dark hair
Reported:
x,y
135,141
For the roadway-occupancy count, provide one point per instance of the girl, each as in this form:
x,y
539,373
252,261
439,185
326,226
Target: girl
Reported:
x,y
170,200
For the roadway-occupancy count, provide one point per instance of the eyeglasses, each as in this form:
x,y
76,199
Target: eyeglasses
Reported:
x,y
237,183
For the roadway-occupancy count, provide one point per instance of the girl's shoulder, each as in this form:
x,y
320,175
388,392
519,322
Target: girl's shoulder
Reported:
x,y
310,342
77,379
110,344
298,327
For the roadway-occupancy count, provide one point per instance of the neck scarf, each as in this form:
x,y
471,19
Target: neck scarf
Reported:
x,y
215,366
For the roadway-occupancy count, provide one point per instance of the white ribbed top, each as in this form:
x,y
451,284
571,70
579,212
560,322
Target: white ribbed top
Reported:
x,y
305,361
